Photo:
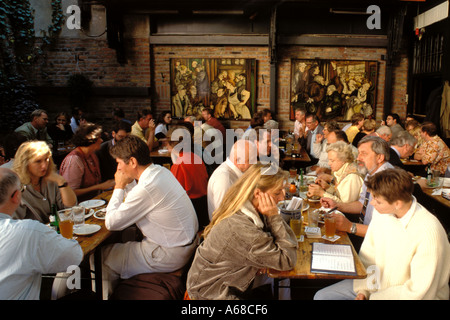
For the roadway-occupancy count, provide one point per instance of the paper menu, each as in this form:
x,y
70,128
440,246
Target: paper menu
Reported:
x,y
332,258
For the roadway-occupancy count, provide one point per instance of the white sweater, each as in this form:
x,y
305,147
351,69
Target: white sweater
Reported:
x,y
412,255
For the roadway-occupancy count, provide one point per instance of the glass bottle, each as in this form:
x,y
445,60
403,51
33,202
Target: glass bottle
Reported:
x,y
54,219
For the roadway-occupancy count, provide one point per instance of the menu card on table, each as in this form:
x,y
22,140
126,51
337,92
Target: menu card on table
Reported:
x,y
332,258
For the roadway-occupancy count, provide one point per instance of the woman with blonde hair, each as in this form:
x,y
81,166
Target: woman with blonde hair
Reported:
x,y
345,183
245,235
43,187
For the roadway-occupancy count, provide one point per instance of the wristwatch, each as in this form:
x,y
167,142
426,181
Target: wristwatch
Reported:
x,y
63,185
353,228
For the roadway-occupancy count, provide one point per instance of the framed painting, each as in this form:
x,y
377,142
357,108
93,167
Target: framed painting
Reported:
x,y
226,85
334,89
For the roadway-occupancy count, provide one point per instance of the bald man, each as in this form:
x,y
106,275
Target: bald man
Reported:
x,y
242,156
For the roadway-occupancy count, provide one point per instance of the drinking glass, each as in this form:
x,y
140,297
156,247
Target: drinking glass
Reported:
x,y
78,216
66,223
296,224
330,226
313,218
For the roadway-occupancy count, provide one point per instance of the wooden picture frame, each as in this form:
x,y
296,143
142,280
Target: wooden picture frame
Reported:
x,y
334,89
226,85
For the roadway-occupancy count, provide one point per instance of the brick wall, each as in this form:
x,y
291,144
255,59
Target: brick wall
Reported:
x,y
99,63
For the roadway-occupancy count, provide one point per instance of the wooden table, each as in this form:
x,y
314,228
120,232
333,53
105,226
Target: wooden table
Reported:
x,y
161,158
88,243
414,166
429,191
302,269
92,244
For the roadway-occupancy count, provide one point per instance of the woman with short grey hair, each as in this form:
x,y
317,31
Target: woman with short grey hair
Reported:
x,y
345,183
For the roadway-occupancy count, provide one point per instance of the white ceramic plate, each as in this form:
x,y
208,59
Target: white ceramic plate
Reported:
x,y
90,204
86,229
102,212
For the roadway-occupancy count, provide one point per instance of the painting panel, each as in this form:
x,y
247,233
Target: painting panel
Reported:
x,y
226,85
334,89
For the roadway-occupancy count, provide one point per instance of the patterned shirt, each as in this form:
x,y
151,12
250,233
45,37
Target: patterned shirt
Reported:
x,y
436,152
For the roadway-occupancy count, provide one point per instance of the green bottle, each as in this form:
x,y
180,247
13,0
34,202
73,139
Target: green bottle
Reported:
x,y
54,219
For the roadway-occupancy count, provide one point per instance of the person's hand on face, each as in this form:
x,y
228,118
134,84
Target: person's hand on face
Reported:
x,y
266,204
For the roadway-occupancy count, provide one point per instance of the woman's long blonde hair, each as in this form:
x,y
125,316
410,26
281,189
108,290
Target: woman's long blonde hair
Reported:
x,y
27,152
263,177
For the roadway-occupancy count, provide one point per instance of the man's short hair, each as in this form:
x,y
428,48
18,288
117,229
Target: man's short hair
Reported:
x,y
430,128
332,125
402,138
209,111
143,113
313,116
122,125
384,130
131,146
394,116
341,136
384,182
8,180
37,113
379,146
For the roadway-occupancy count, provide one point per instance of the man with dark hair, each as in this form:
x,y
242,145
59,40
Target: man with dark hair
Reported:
x,y
108,165
393,122
160,208
36,128
145,121
433,150
28,248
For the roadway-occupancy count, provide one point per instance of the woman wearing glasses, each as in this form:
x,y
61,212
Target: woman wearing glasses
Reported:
x,y
42,186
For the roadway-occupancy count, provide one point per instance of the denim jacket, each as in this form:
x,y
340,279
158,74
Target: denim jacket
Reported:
x,y
228,260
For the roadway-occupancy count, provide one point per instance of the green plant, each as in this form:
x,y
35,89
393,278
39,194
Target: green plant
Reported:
x,y
18,53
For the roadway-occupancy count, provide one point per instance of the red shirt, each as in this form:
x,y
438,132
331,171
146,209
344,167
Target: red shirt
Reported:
x,y
213,122
191,173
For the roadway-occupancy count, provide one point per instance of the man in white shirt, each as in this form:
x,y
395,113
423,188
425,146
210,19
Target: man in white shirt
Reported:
x,y
242,156
28,248
160,208
300,128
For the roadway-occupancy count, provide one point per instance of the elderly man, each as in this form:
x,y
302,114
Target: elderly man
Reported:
x,y
28,248
160,208
36,129
402,146
373,157
243,154
145,121
384,132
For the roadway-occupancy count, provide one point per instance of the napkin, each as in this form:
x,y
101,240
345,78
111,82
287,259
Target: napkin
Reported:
x,y
294,204
446,182
437,192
